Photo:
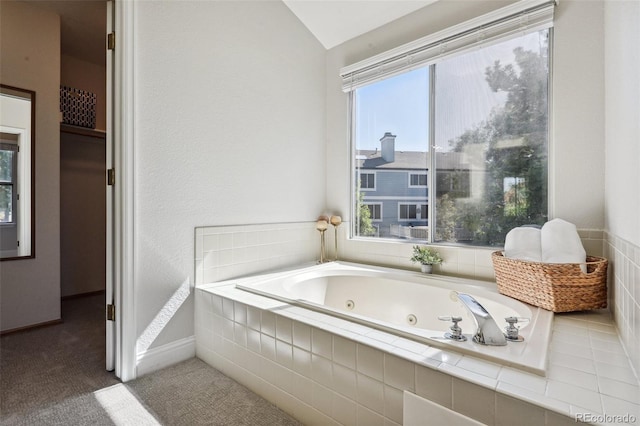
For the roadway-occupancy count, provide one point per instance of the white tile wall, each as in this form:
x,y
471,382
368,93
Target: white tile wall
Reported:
x,y
417,409
462,262
223,252
624,292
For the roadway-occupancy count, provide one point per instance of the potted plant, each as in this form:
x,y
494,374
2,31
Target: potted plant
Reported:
x,y
427,257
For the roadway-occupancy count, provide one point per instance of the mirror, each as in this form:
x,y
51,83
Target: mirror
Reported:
x,y
17,173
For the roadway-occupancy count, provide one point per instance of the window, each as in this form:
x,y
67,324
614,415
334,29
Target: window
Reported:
x,y
367,181
368,213
8,178
413,211
375,210
416,179
407,211
453,182
476,122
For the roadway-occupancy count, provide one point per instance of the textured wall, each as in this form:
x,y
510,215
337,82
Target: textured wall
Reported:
x,y
622,102
30,288
229,125
83,217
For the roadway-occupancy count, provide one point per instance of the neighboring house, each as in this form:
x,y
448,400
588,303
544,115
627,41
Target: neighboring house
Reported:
x,y
395,186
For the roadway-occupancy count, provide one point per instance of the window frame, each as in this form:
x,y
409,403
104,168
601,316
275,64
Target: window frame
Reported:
x,y
409,205
369,173
431,159
426,175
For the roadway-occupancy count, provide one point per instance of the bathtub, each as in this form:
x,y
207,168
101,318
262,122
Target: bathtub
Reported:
x,y
408,304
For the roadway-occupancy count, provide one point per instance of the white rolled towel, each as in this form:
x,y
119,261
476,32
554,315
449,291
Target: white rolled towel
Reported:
x,y
561,243
523,243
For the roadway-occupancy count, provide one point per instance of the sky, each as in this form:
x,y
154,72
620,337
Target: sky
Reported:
x,y
400,104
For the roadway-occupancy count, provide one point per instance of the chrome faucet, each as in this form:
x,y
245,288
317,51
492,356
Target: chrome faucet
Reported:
x,y
488,332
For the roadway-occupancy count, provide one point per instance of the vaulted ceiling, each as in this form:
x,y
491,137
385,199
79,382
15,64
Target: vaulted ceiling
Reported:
x,y
334,22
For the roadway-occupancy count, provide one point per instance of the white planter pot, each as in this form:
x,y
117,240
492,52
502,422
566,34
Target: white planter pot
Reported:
x,y
427,269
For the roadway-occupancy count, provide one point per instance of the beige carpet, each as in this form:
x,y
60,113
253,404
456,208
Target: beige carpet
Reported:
x,y
55,376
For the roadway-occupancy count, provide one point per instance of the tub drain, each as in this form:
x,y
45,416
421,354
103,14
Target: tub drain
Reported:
x,y
412,319
350,304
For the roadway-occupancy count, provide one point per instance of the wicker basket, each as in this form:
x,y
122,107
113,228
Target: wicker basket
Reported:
x,y
557,287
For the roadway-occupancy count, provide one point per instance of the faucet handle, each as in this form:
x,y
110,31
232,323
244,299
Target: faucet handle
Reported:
x,y
450,318
456,331
511,331
514,320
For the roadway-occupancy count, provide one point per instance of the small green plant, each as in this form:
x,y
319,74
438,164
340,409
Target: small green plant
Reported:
x,y
426,256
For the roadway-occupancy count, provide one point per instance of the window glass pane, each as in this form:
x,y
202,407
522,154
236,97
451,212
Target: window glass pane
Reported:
x,y
374,211
408,211
6,165
490,146
412,212
391,139
6,203
7,176
491,115
367,180
418,180
424,211
8,159
403,211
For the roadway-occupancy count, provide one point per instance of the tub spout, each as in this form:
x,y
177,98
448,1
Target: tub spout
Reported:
x,y
488,332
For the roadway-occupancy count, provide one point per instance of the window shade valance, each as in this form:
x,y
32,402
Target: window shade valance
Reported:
x,y
522,17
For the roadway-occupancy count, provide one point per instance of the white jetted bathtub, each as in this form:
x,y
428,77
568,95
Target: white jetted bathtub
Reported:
x,y
408,304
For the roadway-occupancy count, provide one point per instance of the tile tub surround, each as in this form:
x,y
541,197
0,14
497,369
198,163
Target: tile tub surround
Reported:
x,y
624,292
459,261
223,252
326,370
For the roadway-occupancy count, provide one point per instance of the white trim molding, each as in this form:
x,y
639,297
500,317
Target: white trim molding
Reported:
x,y
124,207
163,356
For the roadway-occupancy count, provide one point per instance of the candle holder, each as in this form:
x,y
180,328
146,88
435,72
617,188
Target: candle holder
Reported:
x,y
336,221
322,226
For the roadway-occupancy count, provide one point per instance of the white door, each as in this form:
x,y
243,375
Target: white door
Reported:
x,y
110,294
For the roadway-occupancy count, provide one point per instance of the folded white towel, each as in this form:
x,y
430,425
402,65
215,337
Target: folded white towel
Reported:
x,y
561,243
523,243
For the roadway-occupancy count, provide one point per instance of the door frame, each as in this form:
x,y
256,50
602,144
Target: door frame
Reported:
x,y
109,270
121,215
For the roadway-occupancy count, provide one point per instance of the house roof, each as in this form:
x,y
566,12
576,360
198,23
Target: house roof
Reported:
x,y
411,160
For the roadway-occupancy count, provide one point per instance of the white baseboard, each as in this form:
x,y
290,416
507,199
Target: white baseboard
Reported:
x,y
165,355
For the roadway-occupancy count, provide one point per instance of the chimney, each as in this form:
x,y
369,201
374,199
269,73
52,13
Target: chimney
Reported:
x,y
388,142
